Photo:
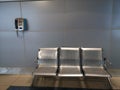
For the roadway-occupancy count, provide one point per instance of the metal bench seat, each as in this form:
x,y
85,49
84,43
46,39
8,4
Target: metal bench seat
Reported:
x,y
99,72
46,71
47,62
92,62
69,64
70,71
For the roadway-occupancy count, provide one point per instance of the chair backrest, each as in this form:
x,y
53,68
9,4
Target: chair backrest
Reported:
x,y
92,57
69,56
48,56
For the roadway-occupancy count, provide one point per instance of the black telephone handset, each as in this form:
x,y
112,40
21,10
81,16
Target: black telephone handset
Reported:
x,y
16,23
19,24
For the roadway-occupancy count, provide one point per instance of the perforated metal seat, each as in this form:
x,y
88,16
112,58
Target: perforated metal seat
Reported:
x,y
69,62
92,62
47,62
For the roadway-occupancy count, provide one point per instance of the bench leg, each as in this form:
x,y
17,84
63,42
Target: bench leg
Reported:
x,y
109,80
34,80
56,82
82,82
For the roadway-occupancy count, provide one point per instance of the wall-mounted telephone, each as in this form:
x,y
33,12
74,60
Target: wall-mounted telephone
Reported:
x,y
20,24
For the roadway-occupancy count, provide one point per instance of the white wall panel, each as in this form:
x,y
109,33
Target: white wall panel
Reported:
x,y
11,50
88,14
8,12
115,48
44,15
116,15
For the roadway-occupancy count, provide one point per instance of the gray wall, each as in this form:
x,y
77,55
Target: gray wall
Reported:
x,y
115,46
53,23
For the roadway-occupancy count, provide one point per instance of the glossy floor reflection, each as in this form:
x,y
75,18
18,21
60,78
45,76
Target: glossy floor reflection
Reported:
x,y
70,82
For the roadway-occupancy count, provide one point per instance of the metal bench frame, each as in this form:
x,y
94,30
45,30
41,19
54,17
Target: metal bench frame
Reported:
x,y
64,58
47,63
93,63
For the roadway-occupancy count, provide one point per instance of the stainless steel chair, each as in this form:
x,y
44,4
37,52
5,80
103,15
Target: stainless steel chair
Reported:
x,y
92,62
47,62
69,64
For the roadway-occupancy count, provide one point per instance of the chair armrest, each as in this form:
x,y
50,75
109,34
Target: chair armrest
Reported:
x,y
107,62
36,62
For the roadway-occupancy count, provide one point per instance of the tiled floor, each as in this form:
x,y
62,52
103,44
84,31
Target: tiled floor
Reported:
x,y
7,80
14,80
26,80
